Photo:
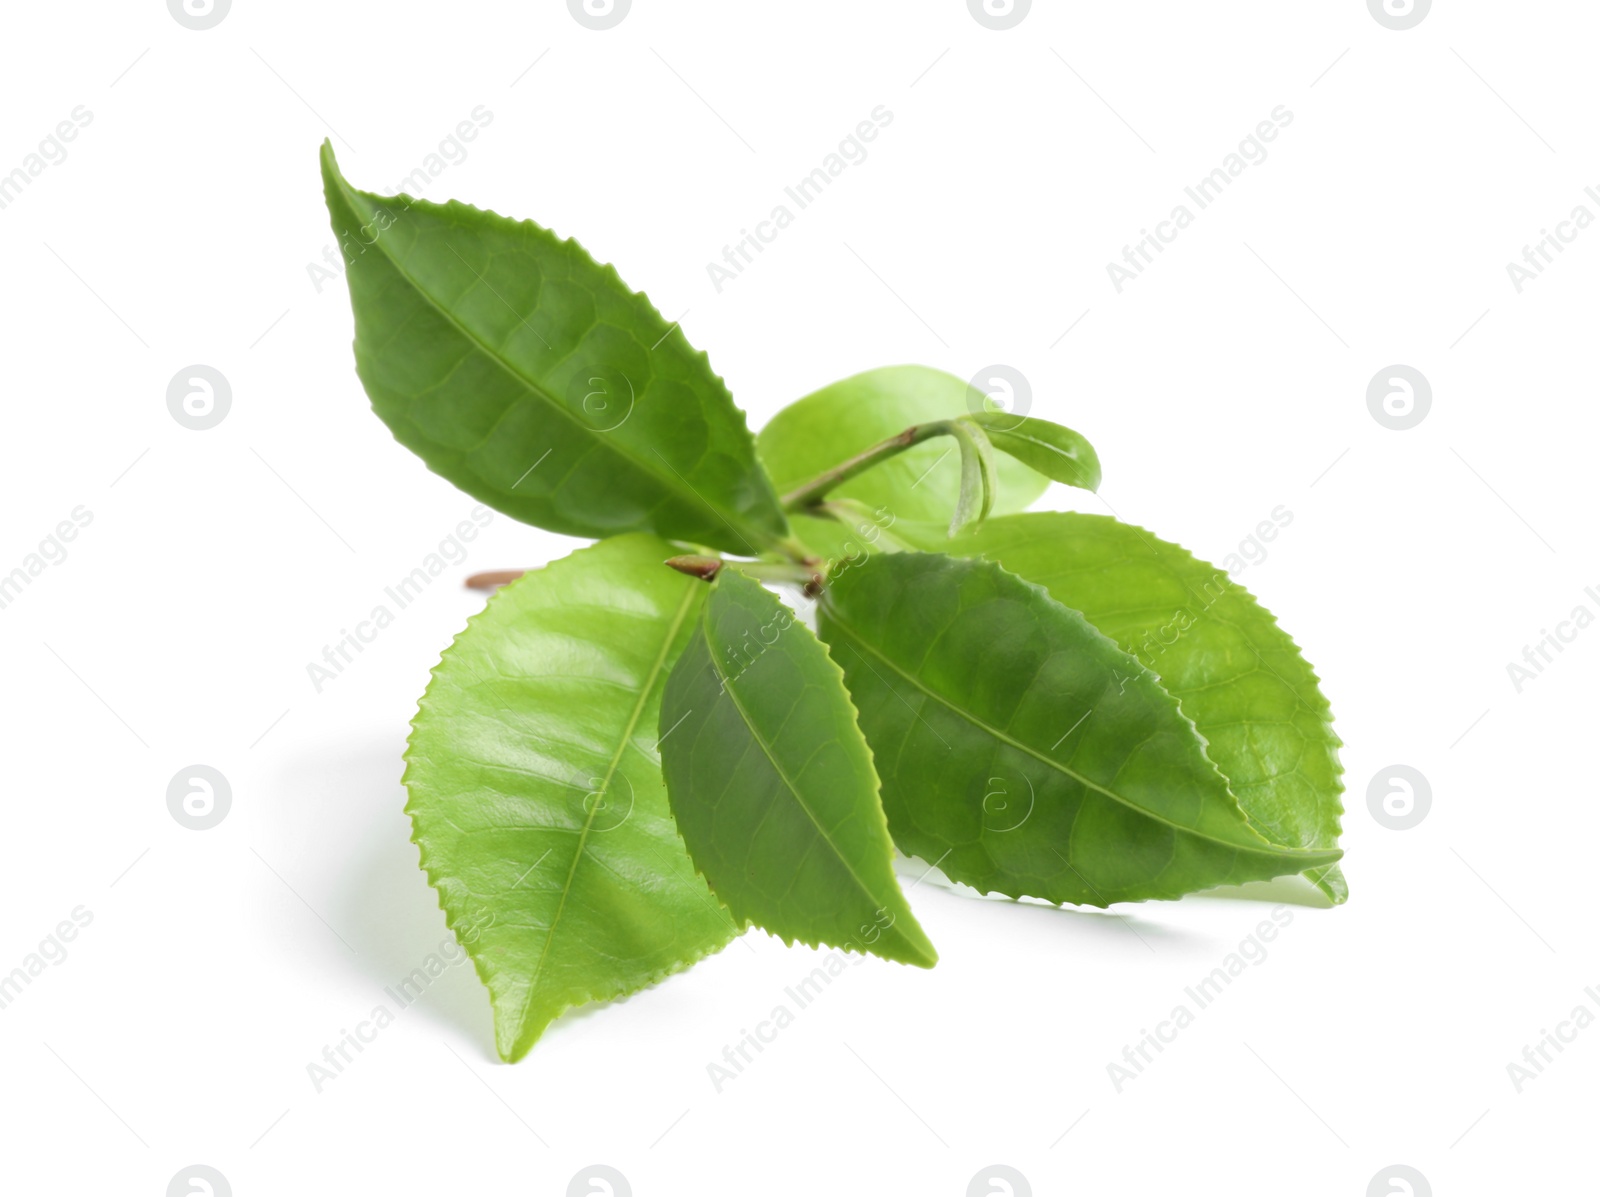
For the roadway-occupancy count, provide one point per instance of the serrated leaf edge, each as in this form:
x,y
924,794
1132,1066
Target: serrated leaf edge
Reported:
x,y
882,821
1267,847
1323,712
521,1044
733,518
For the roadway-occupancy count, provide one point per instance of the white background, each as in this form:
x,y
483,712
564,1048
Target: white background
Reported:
x,y
1228,379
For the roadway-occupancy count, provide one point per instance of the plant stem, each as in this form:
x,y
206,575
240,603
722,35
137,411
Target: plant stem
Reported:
x,y
494,579
792,549
814,491
808,576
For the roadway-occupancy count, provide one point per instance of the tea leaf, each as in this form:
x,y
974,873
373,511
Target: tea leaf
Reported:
x,y
1058,453
976,497
773,786
1024,752
1222,655
530,376
536,793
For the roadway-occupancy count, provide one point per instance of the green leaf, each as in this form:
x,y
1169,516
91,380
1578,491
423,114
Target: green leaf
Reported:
x,y
773,786
536,381
536,793
975,499
1025,753
1056,452
1222,655
828,426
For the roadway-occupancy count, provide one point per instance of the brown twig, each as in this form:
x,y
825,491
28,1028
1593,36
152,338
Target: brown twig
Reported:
x,y
494,579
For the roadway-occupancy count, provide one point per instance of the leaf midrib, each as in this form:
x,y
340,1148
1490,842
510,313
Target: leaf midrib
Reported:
x,y
733,519
1038,443
1045,447
583,836
1265,846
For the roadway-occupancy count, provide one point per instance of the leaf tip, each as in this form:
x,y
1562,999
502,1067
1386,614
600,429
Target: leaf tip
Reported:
x,y
330,164
1091,470
907,942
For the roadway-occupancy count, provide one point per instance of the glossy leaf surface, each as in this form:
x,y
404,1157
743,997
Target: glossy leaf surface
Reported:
x,y
531,377
536,793
1023,751
818,432
1233,670
773,786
